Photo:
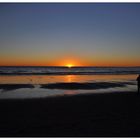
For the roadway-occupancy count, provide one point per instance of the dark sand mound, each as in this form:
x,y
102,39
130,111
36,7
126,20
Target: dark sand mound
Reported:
x,y
103,115
15,86
73,85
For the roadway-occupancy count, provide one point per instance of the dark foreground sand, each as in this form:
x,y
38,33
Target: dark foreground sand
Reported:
x,y
94,115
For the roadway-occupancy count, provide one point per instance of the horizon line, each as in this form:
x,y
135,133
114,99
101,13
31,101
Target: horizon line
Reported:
x,y
59,66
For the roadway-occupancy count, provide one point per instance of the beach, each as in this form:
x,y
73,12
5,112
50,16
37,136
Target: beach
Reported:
x,y
88,115
89,105
69,69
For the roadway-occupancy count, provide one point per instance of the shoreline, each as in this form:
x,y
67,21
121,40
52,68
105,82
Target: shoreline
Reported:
x,y
71,85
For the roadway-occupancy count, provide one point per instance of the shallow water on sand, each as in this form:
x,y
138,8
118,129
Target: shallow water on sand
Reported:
x,y
46,79
127,83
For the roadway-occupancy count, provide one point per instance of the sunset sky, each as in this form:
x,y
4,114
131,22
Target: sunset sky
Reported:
x,y
85,34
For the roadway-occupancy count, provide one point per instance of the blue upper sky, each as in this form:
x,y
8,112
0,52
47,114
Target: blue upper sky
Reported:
x,y
90,33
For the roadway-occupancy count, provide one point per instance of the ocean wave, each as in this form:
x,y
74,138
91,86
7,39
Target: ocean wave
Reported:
x,y
68,71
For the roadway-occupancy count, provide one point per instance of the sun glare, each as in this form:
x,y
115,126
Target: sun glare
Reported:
x,y
69,65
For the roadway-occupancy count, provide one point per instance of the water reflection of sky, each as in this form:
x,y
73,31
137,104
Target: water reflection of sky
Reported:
x,y
38,92
63,78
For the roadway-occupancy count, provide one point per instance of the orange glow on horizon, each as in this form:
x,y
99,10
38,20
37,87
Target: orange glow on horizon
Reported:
x,y
69,62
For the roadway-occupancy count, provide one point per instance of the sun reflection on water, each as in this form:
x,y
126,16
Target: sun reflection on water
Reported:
x,y
70,78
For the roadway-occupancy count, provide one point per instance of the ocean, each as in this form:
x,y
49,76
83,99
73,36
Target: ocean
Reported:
x,y
41,82
66,71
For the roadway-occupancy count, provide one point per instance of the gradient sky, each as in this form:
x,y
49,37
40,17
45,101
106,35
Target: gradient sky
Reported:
x,y
87,34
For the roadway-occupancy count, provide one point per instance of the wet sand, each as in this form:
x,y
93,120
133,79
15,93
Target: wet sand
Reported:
x,y
88,115
70,85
